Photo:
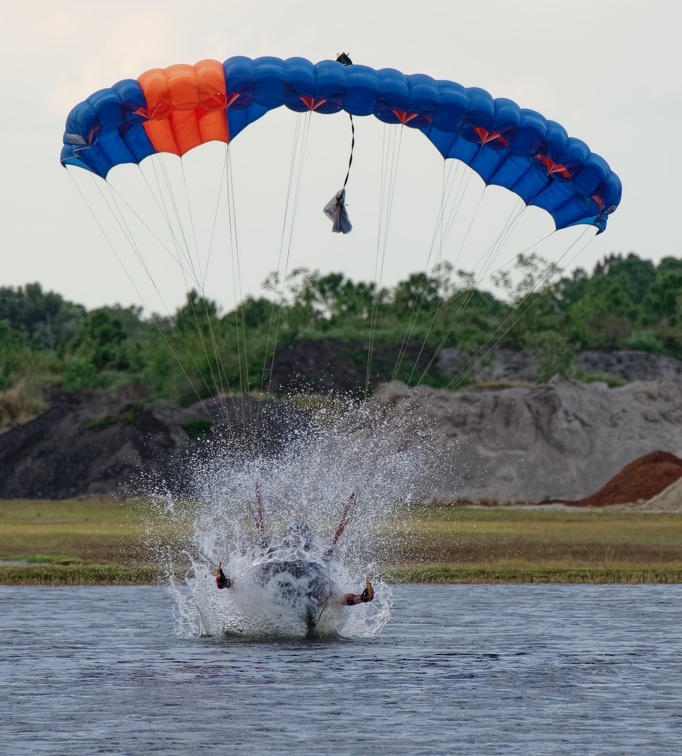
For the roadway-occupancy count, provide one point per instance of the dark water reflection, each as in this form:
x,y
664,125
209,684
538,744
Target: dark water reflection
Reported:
x,y
458,669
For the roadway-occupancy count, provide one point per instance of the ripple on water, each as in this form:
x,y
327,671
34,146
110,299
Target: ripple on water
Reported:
x,y
471,669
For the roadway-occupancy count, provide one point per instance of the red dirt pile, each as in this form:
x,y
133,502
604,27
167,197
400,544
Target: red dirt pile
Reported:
x,y
641,480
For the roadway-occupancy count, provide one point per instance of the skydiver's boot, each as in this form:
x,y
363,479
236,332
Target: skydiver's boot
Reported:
x,y
351,599
368,593
221,580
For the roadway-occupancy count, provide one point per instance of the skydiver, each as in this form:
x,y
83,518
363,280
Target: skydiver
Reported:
x,y
299,535
348,599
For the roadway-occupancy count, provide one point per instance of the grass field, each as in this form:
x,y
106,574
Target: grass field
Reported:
x,y
514,544
103,542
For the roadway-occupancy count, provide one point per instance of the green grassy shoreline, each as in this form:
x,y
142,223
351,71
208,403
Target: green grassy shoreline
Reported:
x,y
98,542
110,575
88,574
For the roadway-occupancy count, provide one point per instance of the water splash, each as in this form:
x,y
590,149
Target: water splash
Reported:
x,y
361,465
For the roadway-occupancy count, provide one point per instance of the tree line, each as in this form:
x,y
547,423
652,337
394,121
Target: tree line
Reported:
x,y
626,302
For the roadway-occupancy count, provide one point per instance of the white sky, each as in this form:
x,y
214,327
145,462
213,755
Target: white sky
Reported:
x,y
610,71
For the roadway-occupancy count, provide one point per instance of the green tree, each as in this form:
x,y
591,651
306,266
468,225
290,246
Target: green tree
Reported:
x,y
551,355
198,315
531,297
79,373
663,301
609,307
101,341
44,317
419,295
14,352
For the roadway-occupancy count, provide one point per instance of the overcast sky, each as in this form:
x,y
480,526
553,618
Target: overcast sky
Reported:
x,y
610,71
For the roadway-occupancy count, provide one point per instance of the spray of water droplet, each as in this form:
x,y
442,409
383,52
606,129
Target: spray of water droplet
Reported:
x,y
363,464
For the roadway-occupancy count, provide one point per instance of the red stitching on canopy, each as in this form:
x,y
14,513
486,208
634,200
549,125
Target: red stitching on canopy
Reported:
x,y
405,117
553,167
489,136
311,103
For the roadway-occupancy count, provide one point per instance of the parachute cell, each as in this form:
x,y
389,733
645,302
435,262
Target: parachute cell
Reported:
x,y
185,106
176,109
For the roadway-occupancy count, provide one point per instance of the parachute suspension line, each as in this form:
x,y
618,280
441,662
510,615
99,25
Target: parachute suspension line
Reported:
x,y
120,220
488,258
484,275
119,217
390,158
130,278
181,244
113,191
438,239
177,257
240,323
223,381
458,200
115,210
186,251
161,206
513,219
194,272
493,252
235,262
191,218
443,229
219,374
297,163
225,180
140,257
418,299
272,328
487,261
549,278
216,213
513,318
510,226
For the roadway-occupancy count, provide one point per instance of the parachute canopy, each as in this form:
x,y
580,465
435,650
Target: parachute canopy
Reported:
x,y
176,109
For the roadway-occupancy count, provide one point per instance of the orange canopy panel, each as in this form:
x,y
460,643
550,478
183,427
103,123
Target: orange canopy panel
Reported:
x,y
185,106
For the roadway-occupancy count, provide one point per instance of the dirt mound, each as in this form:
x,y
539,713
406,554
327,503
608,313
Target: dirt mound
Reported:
x,y
669,500
92,443
306,366
641,480
562,440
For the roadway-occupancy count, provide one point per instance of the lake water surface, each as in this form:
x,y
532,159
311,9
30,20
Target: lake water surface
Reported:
x,y
458,669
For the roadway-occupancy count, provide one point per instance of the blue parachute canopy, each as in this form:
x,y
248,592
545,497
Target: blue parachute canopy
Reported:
x,y
178,108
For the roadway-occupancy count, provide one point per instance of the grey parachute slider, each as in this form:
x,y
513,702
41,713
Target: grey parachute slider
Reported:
x,y
336,211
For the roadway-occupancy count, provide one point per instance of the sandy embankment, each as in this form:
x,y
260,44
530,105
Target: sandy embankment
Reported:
x,y
669,500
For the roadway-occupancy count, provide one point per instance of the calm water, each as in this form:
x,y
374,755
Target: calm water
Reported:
x,y
458,669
